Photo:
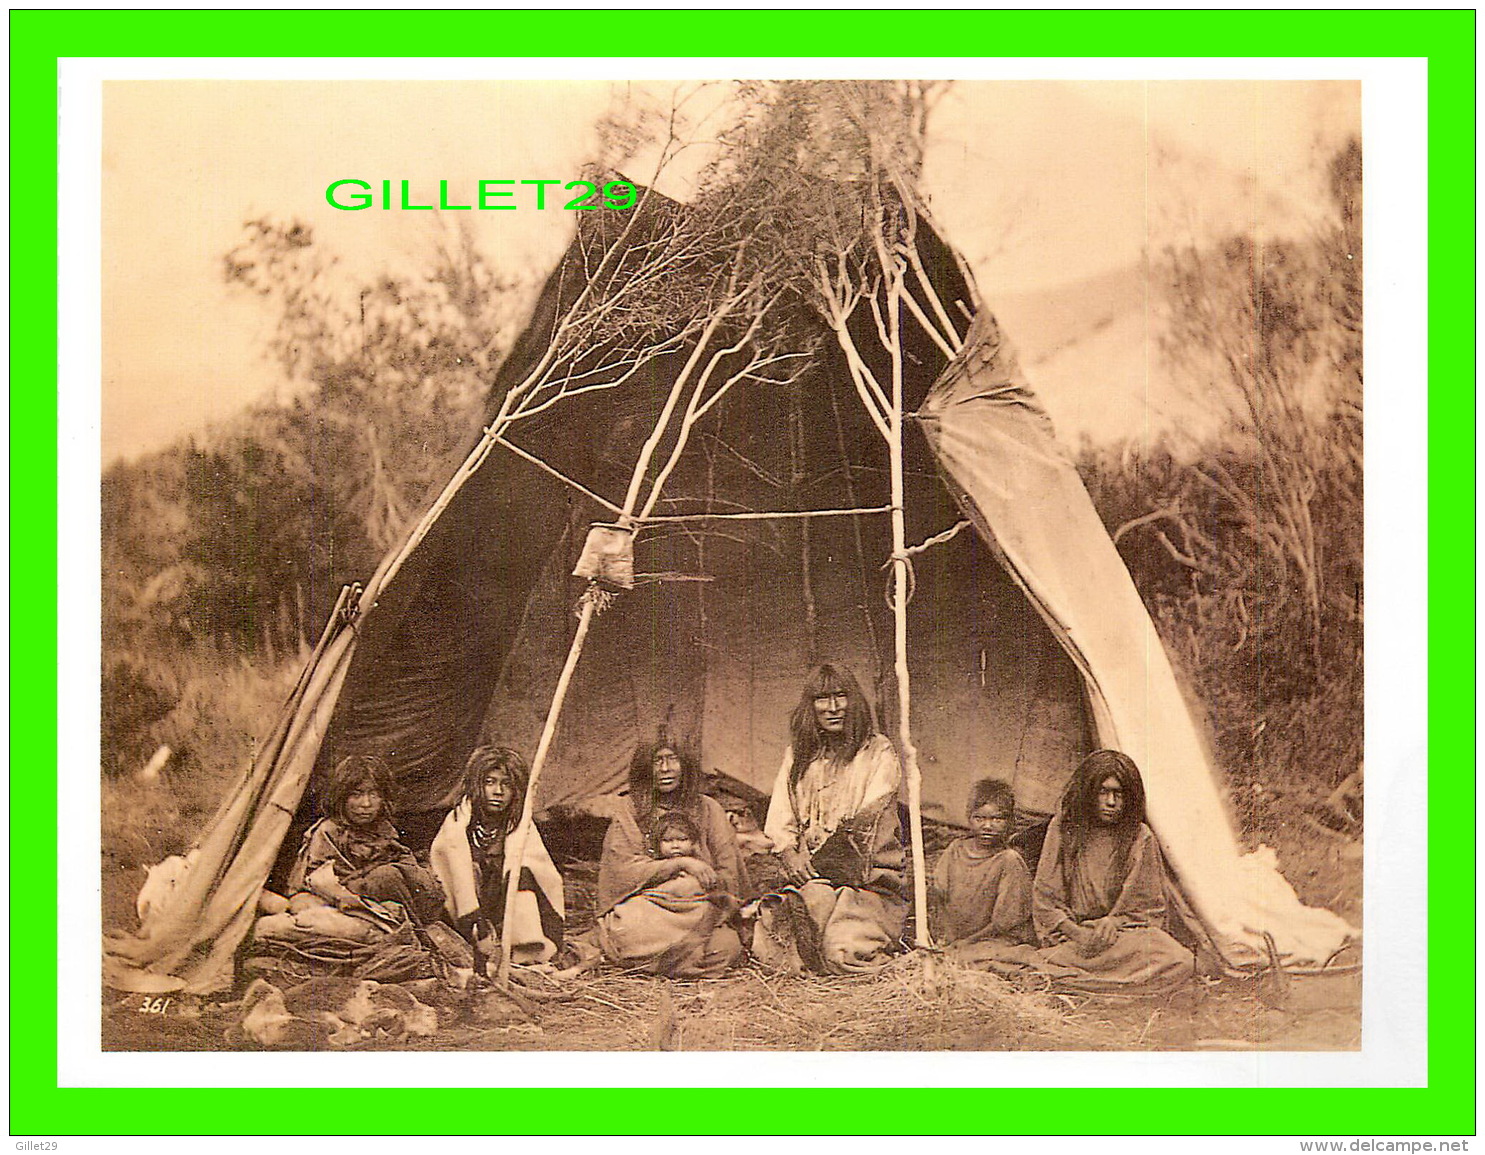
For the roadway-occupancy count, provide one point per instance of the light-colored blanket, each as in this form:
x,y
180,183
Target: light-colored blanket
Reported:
x,y
672,928
825,928
626,866
453,863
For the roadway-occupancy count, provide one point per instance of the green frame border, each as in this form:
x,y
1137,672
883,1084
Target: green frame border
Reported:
x,y
1446,38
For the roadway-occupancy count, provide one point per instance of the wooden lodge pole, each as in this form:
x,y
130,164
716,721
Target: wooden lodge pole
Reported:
x,y
516,854
888,419
899,634
516,851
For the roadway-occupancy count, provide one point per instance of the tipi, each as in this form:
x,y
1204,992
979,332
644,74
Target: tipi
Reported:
x,y
764,546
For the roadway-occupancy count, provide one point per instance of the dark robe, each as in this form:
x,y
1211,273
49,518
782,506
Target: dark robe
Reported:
x,y
371,864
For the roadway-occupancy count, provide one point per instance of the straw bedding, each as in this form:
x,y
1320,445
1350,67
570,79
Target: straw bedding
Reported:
x,y
917,1003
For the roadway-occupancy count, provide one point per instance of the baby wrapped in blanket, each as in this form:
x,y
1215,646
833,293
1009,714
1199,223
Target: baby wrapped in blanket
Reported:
x,y
675,923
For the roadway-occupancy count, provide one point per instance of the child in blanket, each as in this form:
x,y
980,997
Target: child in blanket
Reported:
x,y
675,835
675,919
469,856
981,884
353,880
354,854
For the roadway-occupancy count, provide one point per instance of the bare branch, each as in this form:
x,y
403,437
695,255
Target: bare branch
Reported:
x,y
1136,522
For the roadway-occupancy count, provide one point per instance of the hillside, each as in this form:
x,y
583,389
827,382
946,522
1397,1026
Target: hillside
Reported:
x,y
1091,349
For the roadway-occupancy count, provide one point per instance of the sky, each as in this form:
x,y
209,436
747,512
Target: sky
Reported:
x,y
1043,184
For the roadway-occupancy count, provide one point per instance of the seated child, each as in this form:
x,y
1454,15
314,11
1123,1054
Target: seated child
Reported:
x,y
354,853
981,884
676,836
353,880
468,855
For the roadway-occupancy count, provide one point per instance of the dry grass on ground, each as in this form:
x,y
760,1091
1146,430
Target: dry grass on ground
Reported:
x,y
915,1004
222,709
919,1003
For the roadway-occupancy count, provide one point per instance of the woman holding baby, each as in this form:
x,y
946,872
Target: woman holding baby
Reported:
x,y
671,873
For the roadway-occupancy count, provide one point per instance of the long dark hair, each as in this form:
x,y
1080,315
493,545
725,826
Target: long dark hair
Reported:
x,y
1078,809
642,794
352,772
483,759
804,728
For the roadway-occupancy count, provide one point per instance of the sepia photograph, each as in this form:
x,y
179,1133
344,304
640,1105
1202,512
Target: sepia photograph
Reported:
x,y
731,565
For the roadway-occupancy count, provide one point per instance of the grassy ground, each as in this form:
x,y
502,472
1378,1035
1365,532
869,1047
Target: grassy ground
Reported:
x,y
920,1003
222,706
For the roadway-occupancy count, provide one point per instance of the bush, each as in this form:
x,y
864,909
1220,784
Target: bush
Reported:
x,y
135,696
1248,547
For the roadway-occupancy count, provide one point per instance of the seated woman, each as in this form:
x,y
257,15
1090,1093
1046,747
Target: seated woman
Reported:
x,y
833,818
676,926
1099,899
981,887
643,926
353,881
468,856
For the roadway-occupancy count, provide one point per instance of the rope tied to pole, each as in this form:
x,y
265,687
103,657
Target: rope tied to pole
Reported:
x,y
939,538
348,609
912,576
598,596
906,556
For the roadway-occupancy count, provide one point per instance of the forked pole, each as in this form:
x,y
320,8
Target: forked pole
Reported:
x,y
911,769
516,852
887,416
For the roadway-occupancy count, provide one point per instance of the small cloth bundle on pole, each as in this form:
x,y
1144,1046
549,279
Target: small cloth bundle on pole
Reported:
x,y
733,307
608,556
